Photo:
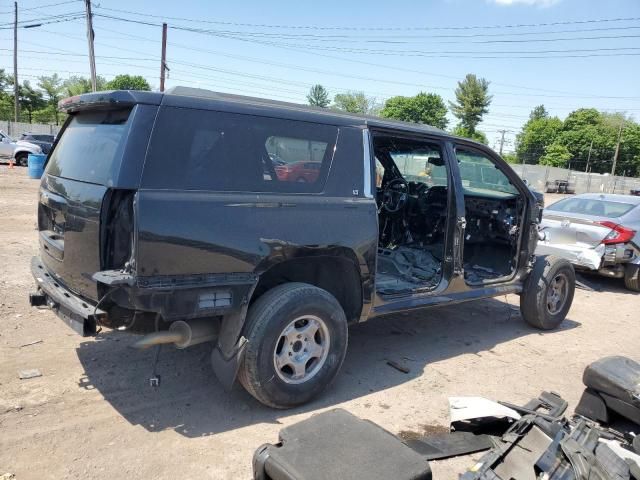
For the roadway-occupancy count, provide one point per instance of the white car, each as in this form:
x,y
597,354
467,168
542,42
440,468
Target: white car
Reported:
x,y
18,150
597,232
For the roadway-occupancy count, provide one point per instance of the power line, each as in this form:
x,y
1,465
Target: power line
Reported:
x,y
38,7
316,27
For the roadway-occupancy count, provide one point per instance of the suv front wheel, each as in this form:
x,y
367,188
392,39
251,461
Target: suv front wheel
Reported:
x,y
22,159
548,292
297,341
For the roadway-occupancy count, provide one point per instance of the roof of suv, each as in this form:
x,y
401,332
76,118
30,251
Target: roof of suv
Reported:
x,y
188,97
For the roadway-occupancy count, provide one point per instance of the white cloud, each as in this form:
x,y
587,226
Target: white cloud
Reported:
x,y
539,3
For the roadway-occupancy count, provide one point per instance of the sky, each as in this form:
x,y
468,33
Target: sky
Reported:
x,y
565,54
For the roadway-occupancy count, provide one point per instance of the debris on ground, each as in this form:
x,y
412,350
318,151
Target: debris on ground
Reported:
x,y
35,342
26,374
398,366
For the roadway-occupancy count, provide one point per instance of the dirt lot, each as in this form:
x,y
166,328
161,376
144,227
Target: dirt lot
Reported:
x,y
92,415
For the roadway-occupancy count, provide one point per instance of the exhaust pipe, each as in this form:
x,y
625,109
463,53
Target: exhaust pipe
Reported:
x,y
182,334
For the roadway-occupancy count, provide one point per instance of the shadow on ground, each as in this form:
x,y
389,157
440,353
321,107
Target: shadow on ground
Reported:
x,y
192,402
603,284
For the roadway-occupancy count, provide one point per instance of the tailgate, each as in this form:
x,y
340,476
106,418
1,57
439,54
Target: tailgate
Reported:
x,y
81,171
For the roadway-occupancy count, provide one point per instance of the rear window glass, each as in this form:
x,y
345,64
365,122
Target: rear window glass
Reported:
x,y
90,148
591,206
206,150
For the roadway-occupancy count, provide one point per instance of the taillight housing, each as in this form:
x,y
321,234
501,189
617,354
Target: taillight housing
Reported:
x,y
618,234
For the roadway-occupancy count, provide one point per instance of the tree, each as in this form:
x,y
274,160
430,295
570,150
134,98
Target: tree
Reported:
x,y
318,96
538,113
476,135
355,102
52,87
128,82
556,155
539,132
472,102
426,108
77,85
30,99
510,157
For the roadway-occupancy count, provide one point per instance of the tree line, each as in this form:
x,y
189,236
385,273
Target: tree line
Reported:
x,y
586,140
472,101
39,103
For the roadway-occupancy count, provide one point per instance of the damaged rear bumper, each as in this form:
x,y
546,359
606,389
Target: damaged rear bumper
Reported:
x,y
79,314
608,260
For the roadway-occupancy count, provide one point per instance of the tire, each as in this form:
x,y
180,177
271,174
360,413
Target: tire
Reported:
x,y
268,331
548,292
632,277
22,159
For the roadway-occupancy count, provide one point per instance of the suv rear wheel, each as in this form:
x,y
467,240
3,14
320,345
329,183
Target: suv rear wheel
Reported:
x,y
297,340
548,292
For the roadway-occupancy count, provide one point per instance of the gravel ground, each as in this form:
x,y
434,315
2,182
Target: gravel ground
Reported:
x,y
92,415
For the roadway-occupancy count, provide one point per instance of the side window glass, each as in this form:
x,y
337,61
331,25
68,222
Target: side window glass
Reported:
x,y
295,159
207,150
479,174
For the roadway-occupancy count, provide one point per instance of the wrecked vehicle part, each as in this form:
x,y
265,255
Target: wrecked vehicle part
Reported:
x,y
463,409
335,445
613,385
586,256
446,445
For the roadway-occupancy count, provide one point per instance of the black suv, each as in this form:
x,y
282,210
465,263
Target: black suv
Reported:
x,y
267,228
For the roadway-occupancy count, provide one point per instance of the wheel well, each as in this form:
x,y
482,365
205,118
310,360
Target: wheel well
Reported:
x,y
338,276
23,152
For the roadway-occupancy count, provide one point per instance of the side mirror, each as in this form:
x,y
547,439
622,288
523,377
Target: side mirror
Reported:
x,y
5,140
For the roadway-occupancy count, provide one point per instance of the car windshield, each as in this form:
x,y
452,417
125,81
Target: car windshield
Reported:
x,y
592,206
420,166
38,138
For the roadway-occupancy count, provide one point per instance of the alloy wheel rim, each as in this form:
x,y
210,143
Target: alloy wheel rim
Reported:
x,y
557,293
301,349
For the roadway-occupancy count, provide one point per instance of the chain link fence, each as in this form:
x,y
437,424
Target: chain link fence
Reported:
x,y
539,176
15,129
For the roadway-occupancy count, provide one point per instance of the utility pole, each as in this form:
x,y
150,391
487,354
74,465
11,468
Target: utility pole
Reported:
x,y
502,139
586,169
163,60
615,156
16,86
92,57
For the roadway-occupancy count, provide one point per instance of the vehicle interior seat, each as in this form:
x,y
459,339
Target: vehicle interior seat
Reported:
x,y
613,383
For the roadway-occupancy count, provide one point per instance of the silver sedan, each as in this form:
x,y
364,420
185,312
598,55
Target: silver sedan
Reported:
x,y
598,232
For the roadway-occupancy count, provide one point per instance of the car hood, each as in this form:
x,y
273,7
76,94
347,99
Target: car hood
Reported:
x,y
24,143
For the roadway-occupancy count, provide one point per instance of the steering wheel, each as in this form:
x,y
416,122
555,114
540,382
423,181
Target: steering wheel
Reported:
x,y
395,195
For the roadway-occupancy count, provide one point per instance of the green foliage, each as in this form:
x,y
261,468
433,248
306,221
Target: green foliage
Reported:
x,y
538,112
355,102
476,135
472,102
536,134
510,157
318,96
30,99
426,108
128,82
52,88
76,85
556,155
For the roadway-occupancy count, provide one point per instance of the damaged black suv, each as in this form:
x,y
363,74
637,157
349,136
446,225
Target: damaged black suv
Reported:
x,y
267,228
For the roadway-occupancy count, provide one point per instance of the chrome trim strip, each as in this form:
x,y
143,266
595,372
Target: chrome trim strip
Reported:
x,y
368,192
